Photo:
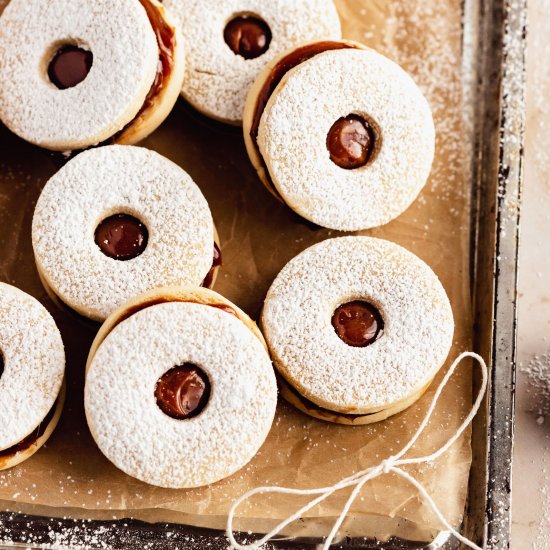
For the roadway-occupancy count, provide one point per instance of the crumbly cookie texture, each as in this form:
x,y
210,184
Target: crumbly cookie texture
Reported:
x,y
125,59
34,364
132,431
293,133
217,80
418,324
106,181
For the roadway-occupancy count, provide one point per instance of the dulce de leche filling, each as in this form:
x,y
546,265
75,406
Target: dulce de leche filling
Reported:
x,y
166,40
31,439
70,66
121,237
357,323
183,391
321,411
216,262
283,66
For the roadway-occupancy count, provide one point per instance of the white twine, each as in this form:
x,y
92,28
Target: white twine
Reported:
x,y
391,464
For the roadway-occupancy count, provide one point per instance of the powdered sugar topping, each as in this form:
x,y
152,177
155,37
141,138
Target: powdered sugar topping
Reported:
x,y
125,58
217,79
138,437
34,364
293,133
418,323
111,180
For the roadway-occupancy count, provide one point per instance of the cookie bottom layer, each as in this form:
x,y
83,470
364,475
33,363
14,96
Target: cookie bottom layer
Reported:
x,y
298,401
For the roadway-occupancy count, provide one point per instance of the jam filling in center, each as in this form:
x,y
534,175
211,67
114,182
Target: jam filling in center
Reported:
x,y
183,391
350,142
1,363
121,237
69,66
247,36
357,323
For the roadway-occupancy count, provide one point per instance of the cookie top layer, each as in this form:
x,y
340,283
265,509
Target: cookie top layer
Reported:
x,y
120,395
120,180
307,351
314,96
217,79
33,361
125,58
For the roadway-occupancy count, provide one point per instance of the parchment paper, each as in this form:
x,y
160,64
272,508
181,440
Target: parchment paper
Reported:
x,y
70,477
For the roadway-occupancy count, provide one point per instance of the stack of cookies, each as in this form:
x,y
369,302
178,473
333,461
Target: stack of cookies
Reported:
x,y
355,327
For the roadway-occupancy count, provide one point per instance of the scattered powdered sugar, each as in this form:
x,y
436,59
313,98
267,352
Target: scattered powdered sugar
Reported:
x,y
111,180
217,80
125,58
64,533
538,376
433,65
133,432
34,364
538,87
431,57
418,323
299,115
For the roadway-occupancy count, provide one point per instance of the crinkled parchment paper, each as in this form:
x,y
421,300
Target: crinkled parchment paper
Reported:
x,y
71,477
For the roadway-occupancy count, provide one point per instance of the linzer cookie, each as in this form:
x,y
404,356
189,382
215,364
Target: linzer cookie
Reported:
x,y
228,42
357,328
361,143
32,367
76,73
116,221
190,373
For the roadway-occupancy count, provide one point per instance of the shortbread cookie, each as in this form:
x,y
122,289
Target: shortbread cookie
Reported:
x,y
76,73
357,328
361,143
116,221
189,372
32,367
228,43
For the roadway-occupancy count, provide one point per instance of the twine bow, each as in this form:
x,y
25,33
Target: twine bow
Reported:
x,y
358,480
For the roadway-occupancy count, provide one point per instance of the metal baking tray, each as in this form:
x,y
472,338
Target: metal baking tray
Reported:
x,y
493,64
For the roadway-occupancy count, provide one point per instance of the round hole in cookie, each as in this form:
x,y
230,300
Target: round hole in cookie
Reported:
x,y
358,323
121,237
69,65
183,391
353,141
248,35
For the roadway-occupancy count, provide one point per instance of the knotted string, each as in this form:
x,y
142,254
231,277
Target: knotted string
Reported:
x,y
358,480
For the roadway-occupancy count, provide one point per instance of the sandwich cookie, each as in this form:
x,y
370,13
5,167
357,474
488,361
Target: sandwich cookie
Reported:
x,y
32,367
361,143
116,221
357,328
187,371
76,73
228,43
